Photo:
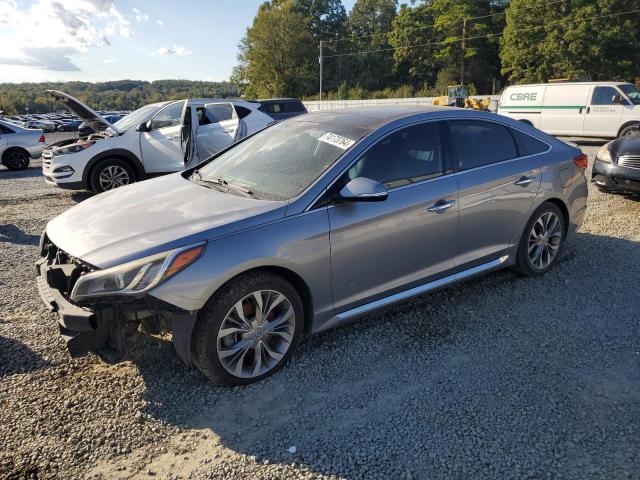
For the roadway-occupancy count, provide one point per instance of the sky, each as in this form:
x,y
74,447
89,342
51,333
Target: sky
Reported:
x,y
101,40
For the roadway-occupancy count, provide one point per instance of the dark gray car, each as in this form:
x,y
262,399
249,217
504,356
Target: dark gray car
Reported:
x,y
304,226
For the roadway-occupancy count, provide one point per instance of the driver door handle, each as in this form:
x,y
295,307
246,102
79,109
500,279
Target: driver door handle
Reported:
x,y
441,206
524,181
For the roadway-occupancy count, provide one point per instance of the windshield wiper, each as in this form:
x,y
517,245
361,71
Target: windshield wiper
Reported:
x,y
221,182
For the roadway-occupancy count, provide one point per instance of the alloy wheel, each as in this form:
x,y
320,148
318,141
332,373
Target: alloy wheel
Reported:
x,y
256,334
16,160
544,240
113,176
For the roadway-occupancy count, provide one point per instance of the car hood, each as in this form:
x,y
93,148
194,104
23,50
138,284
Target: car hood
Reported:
x,y
629,144
152,217
92,118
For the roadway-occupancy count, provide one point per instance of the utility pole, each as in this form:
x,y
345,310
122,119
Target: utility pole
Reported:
x,y
463,49
320,59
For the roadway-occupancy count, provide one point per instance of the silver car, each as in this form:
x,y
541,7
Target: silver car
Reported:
x,y
18,145
307,225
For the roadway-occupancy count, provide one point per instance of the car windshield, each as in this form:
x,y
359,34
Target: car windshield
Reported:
x,y
282,161
631,92
137,117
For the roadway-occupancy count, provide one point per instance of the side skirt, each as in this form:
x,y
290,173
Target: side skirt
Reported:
x,y
420,289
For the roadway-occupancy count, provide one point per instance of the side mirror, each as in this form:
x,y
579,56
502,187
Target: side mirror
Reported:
x,y
617,99
363,189
144,127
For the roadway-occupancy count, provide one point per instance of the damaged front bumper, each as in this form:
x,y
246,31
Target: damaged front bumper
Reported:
x,y
104,327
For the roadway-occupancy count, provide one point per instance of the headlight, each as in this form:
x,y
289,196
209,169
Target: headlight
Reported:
x,y
75,148
138,276
604,155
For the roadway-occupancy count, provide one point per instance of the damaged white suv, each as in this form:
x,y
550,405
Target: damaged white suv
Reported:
x,y
156,139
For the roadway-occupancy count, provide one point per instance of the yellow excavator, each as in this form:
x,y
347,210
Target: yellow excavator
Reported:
x,y
457,96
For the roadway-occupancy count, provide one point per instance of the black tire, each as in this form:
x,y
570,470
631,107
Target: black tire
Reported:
x,y
524,264
204,341
630,130
98,184
15,159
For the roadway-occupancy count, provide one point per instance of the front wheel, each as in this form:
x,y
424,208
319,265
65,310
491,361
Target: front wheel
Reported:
x,y
111,173
541,241
630,130
248,330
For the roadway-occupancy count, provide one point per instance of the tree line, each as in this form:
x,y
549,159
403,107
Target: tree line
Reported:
x,y
379,49
118,95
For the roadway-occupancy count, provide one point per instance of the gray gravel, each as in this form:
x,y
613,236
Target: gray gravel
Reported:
x,y
502,377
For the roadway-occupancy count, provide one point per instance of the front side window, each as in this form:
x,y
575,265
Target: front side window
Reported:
x,y
604,96
631,92
280,162
410,155
477,143
169,116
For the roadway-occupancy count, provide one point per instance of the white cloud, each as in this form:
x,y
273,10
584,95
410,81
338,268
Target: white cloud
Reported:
x,y
173,50
107,61
135,10
159,22
49,32
46,58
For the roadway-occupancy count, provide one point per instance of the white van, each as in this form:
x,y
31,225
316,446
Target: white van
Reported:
x,y
584,109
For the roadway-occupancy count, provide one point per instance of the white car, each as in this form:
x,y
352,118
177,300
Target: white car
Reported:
x,y
18,145
582,109
156,139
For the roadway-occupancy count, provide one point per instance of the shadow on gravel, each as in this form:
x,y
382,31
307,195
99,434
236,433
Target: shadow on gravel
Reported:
x,y
30,172
81,196
16,357
413,388
12,234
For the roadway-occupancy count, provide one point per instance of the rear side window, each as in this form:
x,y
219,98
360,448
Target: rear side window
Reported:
x,y
527,145
242,111
477,143
294,107
5,130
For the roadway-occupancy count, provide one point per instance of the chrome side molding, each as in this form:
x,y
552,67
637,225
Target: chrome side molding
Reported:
x,y
422,288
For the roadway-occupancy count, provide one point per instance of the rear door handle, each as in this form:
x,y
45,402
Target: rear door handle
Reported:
x,y
441,206
524,181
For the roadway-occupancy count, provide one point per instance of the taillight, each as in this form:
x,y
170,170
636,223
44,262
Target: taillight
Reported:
x,y
581,161
41,138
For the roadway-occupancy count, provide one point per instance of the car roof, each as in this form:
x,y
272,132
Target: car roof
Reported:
x,y
370,117
568,83
279,100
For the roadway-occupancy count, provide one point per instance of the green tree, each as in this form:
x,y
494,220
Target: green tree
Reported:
x,y
277,54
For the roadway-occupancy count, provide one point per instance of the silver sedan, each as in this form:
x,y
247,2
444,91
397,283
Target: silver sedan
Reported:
x,y
307,225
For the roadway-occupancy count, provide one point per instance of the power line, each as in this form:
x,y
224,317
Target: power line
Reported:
x,y
390,49
325,42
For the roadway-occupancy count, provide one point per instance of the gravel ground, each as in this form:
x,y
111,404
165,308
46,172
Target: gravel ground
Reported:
x,y
502,377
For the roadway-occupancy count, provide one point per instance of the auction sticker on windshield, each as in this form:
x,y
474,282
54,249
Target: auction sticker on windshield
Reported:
x,y
336,140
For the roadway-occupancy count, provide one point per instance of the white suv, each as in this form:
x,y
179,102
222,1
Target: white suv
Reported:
x,y
156,139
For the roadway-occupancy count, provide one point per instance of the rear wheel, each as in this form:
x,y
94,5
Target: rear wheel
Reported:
x,y
15,159
248,330
542,241
111,173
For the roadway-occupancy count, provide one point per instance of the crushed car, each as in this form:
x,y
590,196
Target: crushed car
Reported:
x,y
156,139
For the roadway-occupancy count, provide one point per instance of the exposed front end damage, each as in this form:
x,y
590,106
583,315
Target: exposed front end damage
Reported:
x,y
105,326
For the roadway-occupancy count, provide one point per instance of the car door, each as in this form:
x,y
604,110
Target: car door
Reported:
x,y
380,248
563,109
161,145
219,127
497,187
604,112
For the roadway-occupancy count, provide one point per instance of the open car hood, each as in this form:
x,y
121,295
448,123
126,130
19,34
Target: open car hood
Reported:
x,y
88,115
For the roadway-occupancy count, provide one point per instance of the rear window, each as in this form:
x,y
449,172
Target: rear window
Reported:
x,y
527,145
294,107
